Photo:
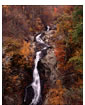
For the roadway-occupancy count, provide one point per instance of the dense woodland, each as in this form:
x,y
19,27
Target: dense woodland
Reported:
x,y
22,23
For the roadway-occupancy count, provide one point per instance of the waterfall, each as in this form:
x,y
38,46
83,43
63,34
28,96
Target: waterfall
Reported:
x,y
48,28
36,78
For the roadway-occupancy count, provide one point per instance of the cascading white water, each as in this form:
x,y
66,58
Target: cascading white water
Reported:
x,y
36,81
36,78
39,40
48,28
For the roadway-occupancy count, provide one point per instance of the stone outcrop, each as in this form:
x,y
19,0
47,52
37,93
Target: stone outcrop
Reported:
x,y
49,62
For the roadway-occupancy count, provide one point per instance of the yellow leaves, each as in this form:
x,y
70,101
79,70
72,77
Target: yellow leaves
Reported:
x,y
60,89
20,51
25,50
58,28
30,29
56,94
70,30
10,53
15,77
58,82
78,52
12,46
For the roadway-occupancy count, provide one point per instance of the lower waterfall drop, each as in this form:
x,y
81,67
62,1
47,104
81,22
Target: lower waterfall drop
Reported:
x,y
36,78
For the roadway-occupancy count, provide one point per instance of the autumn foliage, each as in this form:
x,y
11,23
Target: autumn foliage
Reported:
x,y
69,50
24,22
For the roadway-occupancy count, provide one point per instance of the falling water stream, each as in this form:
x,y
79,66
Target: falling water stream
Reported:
x,y
36,78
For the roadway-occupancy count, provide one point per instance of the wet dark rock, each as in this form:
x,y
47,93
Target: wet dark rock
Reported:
x,y
30,95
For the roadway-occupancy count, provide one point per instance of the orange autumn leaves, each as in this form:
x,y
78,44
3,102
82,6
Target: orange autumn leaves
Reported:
x,y
56,94
60,55
25,50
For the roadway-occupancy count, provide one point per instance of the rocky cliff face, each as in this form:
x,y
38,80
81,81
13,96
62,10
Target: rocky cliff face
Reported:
x,y
49,60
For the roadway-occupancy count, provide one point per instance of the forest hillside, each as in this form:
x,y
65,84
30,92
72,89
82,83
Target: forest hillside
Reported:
x,y
60,70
